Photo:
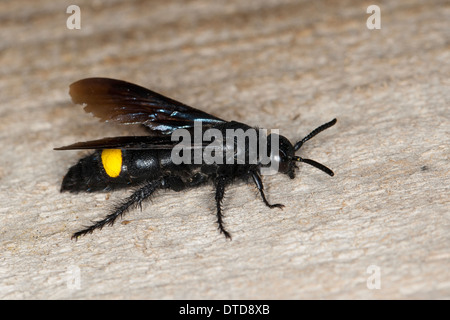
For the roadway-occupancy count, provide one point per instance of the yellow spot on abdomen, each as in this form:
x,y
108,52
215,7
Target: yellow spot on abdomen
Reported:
x,y
112,162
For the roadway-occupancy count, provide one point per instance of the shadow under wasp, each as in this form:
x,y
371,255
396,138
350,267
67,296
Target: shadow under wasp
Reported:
x,y
146,163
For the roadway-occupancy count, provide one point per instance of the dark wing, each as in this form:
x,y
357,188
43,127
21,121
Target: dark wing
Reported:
x,y
127,103
129,143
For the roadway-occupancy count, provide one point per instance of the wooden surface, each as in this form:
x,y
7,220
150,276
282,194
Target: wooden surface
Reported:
x,y
288,65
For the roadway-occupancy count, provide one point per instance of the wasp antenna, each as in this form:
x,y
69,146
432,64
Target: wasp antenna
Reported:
x,y
315,132
316,165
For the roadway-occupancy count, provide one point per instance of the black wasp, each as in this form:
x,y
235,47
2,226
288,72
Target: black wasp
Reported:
x,y
145,162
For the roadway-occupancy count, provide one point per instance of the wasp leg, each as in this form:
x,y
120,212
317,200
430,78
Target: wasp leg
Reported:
x,y
135,199
257,179
221,182
198,179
